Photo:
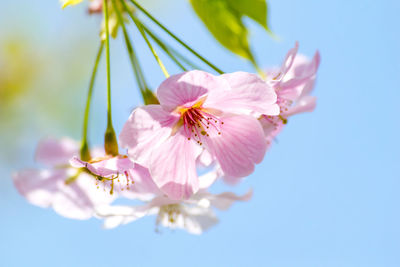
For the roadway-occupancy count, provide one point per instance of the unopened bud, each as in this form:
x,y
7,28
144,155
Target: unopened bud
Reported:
x,y
110,142
149,98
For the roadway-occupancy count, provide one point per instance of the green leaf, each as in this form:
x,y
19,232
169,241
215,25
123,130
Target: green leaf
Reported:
x,y
254,9
225,24
224,19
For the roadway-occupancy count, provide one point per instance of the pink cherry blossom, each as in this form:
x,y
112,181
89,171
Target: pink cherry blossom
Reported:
x,y
194,215
119,174
69,191
200,111
293,83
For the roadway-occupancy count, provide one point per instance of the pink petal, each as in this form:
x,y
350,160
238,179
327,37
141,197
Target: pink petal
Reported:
x,y
105,167
305,104
47,188
300,77
173,167
39,186
272,127
56,152
130,179
287,63
231,180
240,146
79,199
144,187
195,220
205,159
225,200
207,179
145,129
187,88
303,67
246,93
119,215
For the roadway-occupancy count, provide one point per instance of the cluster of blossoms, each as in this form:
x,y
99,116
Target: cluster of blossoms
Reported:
x,y
225,123
222,124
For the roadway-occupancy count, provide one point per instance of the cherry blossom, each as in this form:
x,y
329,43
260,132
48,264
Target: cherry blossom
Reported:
x,y
194,215
293,83
199,111
70,191
118,174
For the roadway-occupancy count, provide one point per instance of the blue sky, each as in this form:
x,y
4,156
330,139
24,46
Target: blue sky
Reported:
x,y
327,194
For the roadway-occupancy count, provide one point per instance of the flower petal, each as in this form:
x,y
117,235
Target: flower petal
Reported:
x,y
207,179
56,152
246,93
287,63
144,187
272,126
205,159
303,67
79,199
187,88
145,129
240,146
197,220
305,104
47,188
173,167
118,215
225,200
39,186
105,167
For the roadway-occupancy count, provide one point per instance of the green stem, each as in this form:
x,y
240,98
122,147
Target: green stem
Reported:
x,y
129,47
110,139
174,54
137,23
175,37
147,94
185,60
85,151
164,47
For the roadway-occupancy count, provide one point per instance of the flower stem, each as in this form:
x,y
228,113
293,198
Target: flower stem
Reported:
x,y
85,151
175,37
164,70
129,47
147,94
134,19
110,139
168,50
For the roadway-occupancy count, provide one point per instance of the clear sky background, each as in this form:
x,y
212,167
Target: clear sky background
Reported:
x,y
327,194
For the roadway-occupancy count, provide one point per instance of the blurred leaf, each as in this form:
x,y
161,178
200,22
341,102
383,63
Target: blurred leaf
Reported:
x,y
254,9
225,24
224,19
18,68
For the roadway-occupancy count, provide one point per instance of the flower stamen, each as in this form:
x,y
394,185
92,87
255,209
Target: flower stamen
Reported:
x,y
199,123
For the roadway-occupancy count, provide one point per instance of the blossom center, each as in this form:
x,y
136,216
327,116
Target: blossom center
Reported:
x,y
169,212
199,123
